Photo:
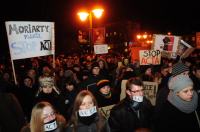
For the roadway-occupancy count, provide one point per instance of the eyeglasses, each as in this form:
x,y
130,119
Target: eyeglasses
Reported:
x,y
46,116
136,91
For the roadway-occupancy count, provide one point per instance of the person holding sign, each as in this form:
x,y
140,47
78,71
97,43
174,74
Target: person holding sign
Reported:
x,y
86,116
134,111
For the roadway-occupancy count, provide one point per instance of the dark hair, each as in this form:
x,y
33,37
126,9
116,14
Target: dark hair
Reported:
x,y
196,67
133,81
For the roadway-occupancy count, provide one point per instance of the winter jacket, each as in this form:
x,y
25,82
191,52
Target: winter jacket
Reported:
x,y
124,118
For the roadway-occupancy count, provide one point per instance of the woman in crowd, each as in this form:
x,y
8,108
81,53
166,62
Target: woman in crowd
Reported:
x,y
44,119
85,115
180,110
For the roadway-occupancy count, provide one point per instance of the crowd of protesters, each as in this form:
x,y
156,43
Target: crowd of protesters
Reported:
x,y
73,87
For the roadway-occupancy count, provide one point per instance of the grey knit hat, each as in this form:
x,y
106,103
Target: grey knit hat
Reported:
x,y
179,68
179,82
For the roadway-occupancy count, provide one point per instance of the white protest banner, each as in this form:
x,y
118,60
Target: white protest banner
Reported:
x,y
30,39
166,44
150,57
101,49
150,91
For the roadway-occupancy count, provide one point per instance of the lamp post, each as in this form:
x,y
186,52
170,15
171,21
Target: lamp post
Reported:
x,y
83,17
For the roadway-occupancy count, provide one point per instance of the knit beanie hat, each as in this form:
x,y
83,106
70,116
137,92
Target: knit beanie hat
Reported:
x,y
103,83
179,68
46,81
179,82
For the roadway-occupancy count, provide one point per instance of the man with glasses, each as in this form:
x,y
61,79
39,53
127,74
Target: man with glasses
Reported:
x,y
133,112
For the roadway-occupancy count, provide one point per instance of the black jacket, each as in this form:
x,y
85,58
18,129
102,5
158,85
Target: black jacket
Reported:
x,y
171,119
12,117
123,118
89,128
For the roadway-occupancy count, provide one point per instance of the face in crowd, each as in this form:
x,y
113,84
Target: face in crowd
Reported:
x,y
47,89
105,90
48,114
186,94
134,89
96,70
87,103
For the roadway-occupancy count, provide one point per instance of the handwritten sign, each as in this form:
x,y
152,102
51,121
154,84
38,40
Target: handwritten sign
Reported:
x,y
150,91
148,57
30,39
101,49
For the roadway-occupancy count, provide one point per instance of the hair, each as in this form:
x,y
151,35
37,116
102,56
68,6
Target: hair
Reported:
x,y
196,67
133,81
78,101
36,123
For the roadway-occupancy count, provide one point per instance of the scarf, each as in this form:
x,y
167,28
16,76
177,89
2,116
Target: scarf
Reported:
x,y
184,106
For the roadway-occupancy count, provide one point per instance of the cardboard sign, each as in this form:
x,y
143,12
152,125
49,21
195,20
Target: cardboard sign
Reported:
x,y
135,53
184,49
105,111
30,39
150,91
123,89
101,49
150,57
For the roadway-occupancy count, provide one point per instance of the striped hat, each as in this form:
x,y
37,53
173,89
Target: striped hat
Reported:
x,y
179,68
103,83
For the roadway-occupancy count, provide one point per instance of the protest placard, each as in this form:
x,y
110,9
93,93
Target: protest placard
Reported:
x,y
184,49
150,91
150,57
30,39
101,49
166,44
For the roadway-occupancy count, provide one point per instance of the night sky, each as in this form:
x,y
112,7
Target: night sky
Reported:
x,y
154,15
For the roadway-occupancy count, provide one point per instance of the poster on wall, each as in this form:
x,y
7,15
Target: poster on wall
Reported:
x,y
98,35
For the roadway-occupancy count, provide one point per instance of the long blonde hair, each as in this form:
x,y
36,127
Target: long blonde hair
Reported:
x,y
36,123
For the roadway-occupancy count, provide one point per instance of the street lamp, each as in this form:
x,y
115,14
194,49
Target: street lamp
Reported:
x,y
83,17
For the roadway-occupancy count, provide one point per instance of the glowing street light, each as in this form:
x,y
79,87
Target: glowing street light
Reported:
x,y
83,17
